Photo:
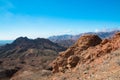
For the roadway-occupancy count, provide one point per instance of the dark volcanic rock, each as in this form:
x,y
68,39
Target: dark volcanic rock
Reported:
x,y
26,54
23,44
8,72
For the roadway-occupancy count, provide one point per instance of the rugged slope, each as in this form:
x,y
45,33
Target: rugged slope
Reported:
x,y
106,67
27,54
90,58
24,45
87,57
87,48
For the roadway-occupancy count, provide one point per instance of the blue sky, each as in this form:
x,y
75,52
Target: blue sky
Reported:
x,y
44,18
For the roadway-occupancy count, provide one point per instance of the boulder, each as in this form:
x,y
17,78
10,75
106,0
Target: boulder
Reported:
x,y
73,61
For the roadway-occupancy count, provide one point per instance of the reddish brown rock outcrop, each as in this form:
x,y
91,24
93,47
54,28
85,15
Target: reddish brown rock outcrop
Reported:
x,y
72,61
69,57
86,50
87,40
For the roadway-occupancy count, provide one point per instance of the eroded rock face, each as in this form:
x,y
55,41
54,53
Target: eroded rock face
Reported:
x,y
69,57
86,50
33,53
73,61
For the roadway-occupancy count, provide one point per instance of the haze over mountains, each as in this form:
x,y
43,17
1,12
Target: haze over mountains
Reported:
x,y
68,40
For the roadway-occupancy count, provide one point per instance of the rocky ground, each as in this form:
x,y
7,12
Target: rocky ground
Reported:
x,y
27,54
90,58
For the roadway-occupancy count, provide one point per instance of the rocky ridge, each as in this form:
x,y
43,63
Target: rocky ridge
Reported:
x,y
27,54
90,58
87,49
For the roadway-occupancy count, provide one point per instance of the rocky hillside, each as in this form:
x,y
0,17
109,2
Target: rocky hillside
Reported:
x,y
23,45
27,54
81,45
90,58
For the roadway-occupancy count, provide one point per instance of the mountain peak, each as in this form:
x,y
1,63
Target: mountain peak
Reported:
x,y
23,44
21,40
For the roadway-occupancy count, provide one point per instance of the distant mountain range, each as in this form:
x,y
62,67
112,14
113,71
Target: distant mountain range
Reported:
x,y
68,40
24,45
25,53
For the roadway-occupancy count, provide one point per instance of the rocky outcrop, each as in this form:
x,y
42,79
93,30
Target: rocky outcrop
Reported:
x,y
86,50
70,56
72,61
87,41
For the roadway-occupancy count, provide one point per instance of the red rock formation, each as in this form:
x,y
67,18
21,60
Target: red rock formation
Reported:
x,y
68,57
86,50
72,61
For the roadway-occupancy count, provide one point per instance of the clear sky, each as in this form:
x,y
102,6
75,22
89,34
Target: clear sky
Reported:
x,y
43,18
